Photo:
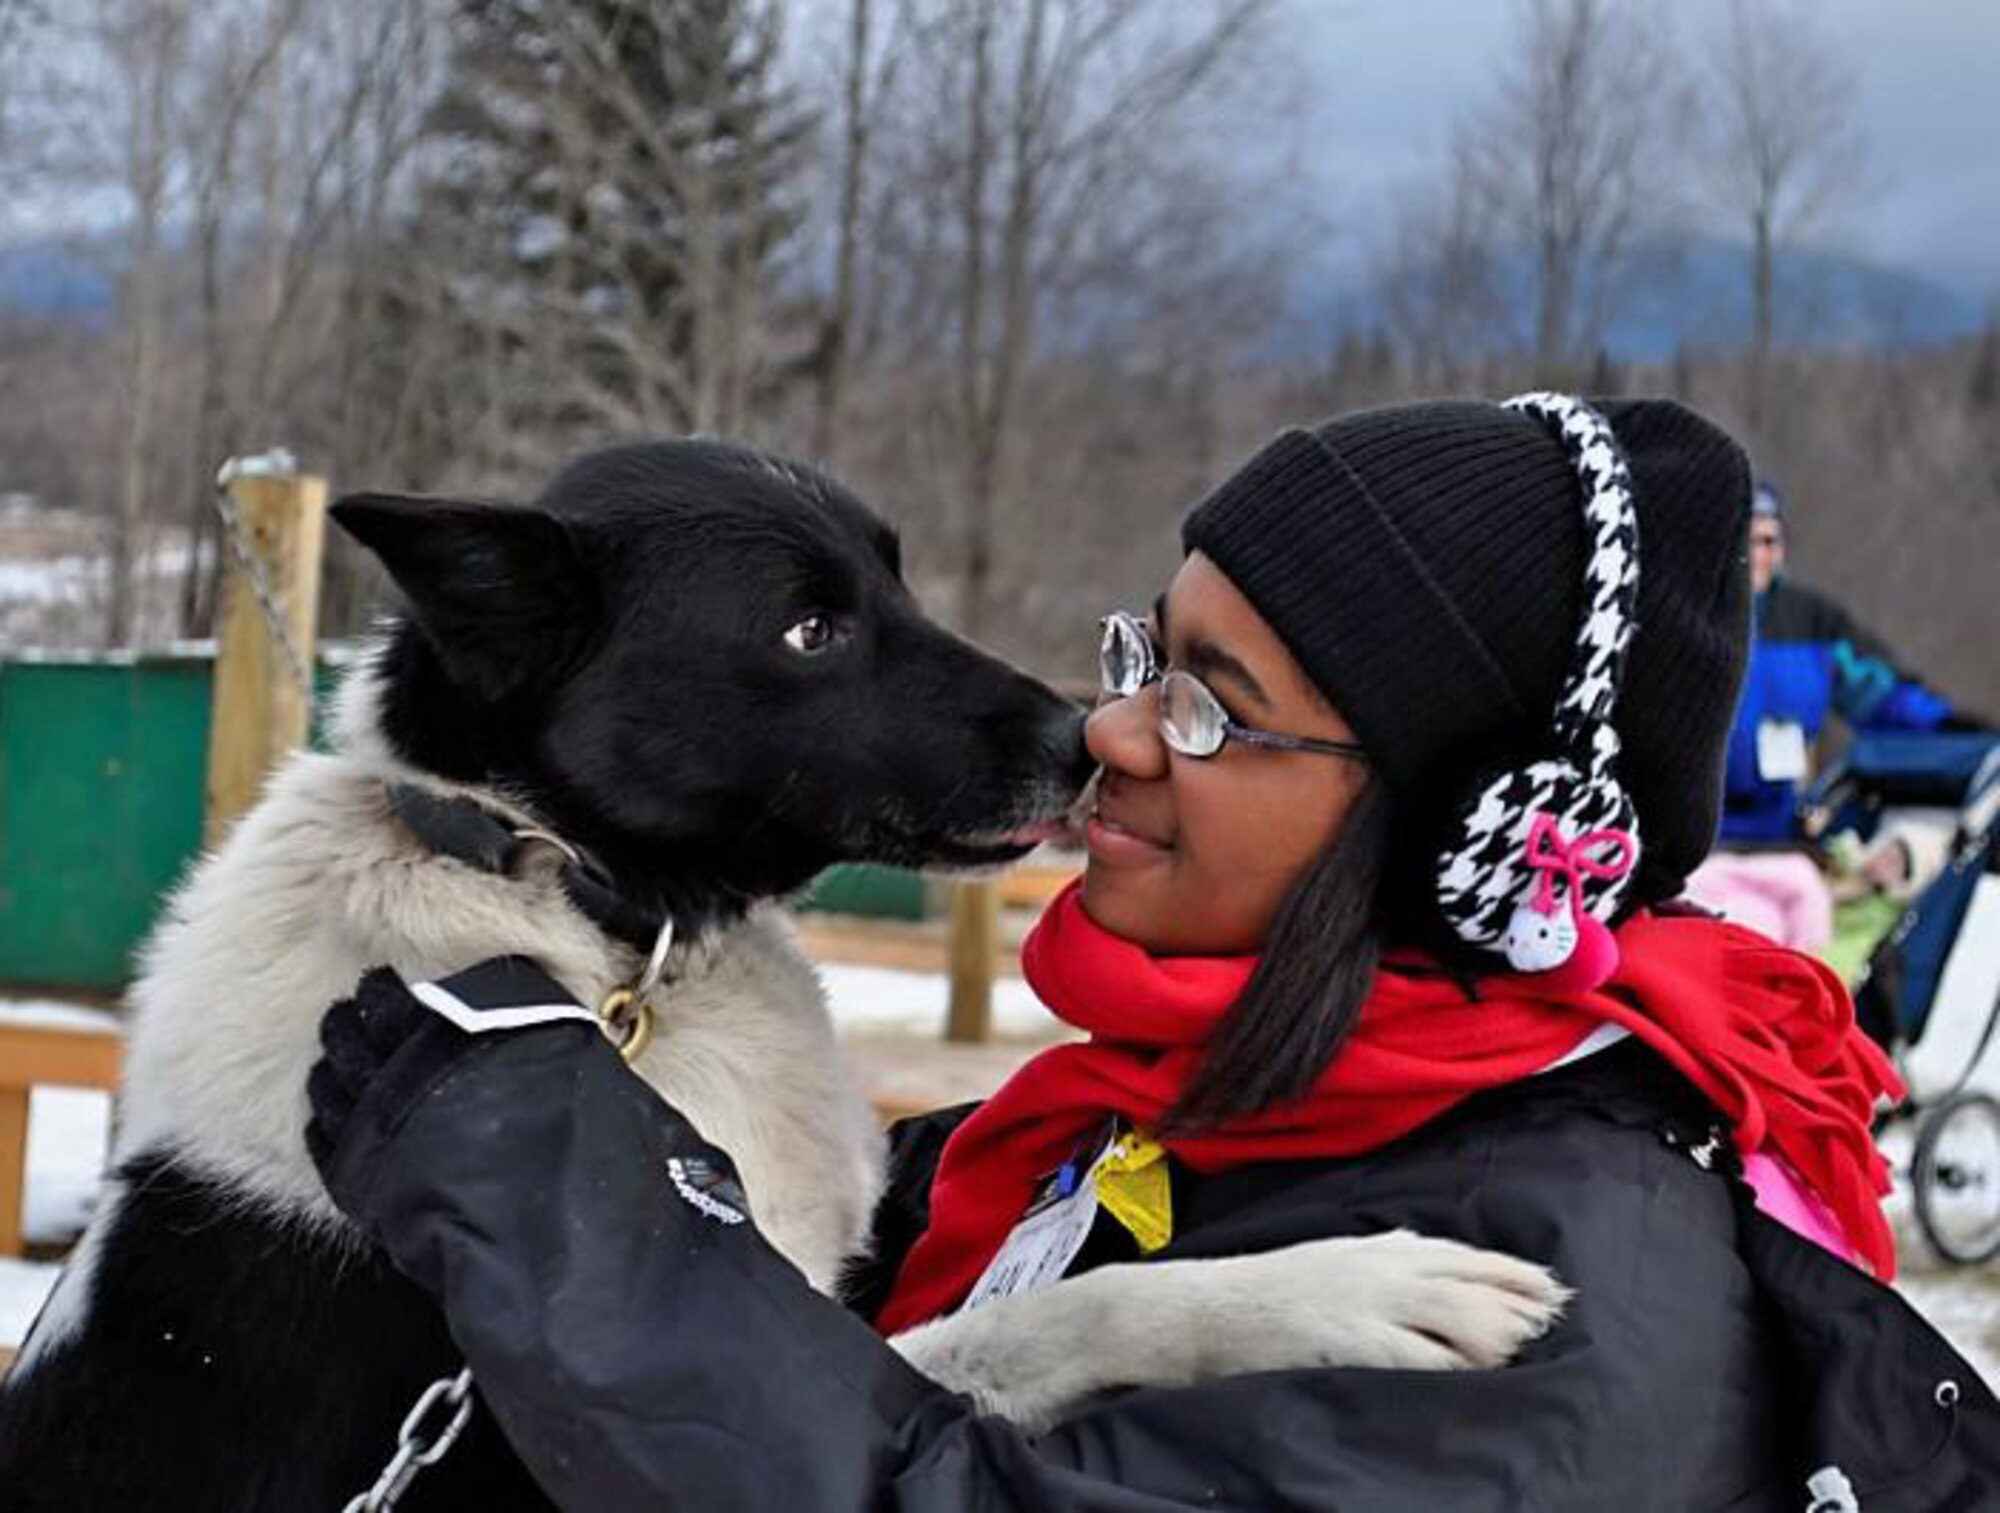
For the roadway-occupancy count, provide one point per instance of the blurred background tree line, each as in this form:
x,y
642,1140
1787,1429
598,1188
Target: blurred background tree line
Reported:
x,y
1027,273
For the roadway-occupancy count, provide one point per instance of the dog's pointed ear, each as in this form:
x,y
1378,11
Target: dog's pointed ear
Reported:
x,y
502,592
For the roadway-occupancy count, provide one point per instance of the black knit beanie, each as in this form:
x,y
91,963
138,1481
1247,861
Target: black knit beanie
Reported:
x,y
1424,563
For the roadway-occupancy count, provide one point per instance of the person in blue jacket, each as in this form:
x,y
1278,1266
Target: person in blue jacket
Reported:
x,y
1809,661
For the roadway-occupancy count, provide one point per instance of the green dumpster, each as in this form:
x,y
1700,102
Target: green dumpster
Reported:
x,y
102,763
101,768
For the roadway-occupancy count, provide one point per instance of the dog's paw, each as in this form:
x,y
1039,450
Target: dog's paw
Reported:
x,y
1400,1301
1393,1301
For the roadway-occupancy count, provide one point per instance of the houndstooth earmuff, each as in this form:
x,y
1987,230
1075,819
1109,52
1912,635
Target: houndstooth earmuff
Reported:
x,y
1543,852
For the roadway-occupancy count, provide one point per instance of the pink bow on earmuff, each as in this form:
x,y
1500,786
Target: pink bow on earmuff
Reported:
x,y
1544,938
1551,853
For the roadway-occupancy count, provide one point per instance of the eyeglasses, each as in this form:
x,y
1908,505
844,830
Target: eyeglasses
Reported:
x,y
1192,720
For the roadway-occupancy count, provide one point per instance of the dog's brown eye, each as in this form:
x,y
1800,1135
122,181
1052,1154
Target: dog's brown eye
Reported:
x,y
814,633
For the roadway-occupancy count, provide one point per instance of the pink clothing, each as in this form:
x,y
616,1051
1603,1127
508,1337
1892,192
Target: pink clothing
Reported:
x,y
1779,894
1787,1199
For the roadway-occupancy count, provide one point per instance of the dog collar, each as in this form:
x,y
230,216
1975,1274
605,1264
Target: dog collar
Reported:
x,y
467,831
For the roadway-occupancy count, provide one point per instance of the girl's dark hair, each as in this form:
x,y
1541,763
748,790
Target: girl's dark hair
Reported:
x,y
1302,1000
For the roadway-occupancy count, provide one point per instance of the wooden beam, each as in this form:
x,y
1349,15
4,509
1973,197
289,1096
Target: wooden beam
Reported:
x,y
13,1168
975,932
31,1054
261,712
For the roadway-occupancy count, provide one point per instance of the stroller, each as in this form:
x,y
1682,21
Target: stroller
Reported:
x,y
1930,992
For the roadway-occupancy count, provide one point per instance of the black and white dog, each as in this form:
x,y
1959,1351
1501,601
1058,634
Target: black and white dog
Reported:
x,y
681,684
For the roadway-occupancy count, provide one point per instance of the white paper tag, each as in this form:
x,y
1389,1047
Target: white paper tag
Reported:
x,y
1041,1247
1781,751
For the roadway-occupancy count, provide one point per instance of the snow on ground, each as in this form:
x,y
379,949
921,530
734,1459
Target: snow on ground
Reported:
x,y
57,598
69,1129
52,1014
51,578
23,1286
882,1000
1965,1307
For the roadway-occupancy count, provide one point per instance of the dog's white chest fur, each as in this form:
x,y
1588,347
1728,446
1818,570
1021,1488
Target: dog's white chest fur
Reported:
x,y
321,882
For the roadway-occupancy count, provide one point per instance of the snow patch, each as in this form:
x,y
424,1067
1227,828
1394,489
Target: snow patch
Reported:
x,y
49,1014
24,1287
882,1000
69,1136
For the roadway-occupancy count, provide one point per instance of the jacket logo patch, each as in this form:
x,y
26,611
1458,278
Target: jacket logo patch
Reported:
x,y
709,1189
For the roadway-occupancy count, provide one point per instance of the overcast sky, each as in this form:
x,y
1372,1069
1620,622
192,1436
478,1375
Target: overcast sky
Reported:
x,y
1388,76
1370,89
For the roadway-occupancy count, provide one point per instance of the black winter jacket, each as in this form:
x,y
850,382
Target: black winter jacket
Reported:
x,y
644,1352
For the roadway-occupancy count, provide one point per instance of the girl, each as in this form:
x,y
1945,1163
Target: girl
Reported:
x,y
1400,779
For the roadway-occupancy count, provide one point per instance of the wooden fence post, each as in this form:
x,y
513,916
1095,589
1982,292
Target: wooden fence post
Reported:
x,y
261,710
975,936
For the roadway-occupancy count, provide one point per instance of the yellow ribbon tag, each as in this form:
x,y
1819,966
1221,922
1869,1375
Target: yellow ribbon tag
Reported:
x,y
1135,1187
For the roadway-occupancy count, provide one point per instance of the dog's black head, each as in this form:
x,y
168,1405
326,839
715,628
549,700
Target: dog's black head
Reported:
x,y
702,663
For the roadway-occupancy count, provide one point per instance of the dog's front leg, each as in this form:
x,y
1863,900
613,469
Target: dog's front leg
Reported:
x,y
1397,1300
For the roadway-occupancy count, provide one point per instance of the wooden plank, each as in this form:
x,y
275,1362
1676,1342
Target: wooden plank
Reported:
x,y
261,712
31,1054
13,1167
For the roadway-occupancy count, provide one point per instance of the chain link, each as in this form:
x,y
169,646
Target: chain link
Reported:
x,y
251,565
413,1451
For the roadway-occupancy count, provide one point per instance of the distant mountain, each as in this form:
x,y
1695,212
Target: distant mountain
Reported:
x,y
53,280
1824,300
1695,292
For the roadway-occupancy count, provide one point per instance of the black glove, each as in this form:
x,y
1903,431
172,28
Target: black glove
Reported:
x,y
358,1036
384,1049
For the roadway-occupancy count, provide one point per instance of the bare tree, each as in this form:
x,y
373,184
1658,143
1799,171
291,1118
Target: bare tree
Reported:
x,y
868,78
1443,285
239,68
299,115
220,131
1785,151
136,50
18,19
1567,162
1022,198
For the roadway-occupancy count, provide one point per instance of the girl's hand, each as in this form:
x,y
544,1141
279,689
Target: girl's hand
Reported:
x,y
358,1036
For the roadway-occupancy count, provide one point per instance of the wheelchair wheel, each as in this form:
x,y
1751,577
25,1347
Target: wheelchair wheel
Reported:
x,y
1956,1177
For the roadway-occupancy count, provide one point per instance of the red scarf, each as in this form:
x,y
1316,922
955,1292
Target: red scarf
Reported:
x,y
1766,1033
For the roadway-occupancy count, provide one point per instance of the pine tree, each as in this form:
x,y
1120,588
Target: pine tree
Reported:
x,y
615,184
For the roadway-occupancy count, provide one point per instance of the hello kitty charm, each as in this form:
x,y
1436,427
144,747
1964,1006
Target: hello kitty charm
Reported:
x,y
1538,941
1552,932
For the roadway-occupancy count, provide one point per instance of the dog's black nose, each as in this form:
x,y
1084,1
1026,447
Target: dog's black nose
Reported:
x,y
1063,740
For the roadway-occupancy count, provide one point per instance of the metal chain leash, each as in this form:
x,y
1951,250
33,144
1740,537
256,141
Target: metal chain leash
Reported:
x,y
251,565
414,1451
